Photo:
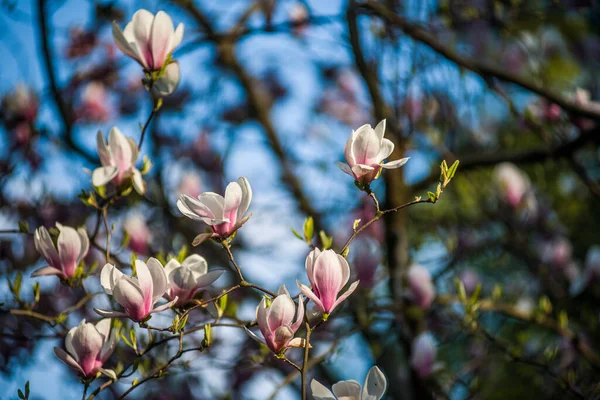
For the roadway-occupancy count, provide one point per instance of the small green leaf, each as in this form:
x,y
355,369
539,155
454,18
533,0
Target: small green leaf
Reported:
x,y
309,229
355,224
297,234
182,253
326,241
452,169
432,197
24,226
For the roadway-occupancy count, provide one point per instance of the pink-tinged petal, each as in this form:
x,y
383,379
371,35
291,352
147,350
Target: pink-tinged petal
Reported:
x,y
182,279
328,276
87,344
103,150
209,278
375,385
246,197
134,149
282,337
129,295
48,270
165,306
343,297
320,392
67,359
347,390
309,293
255,337
281,311
395,164
345,268
345,168
69,340
122,42
103,327
69,248
299,314
103,175
141,26
110,313
197,210
309,264
380,129
45,246
146,285
366,145
171,266
161,39
120,150
85,244
387,147
169,81
138,182
201,238
262,318
233,199
215,202
361,171
109,277
159,279
423,354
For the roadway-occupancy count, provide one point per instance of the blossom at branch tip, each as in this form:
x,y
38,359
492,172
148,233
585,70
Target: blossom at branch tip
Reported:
x,y
423,354
139,233
420,285
88,347
277,323
365,151
224,215
187,278
71,247
373,388
328,273
136,295
118,158
512,183
149,39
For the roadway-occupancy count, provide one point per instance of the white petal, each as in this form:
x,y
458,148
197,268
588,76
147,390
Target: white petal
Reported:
x,y
375,385
169,81
197,264
45,271
108,277
345,168
320,392
110,313
165,306
246,197
395,164
161,38
177,37
67,359
347,390
103,175
159,279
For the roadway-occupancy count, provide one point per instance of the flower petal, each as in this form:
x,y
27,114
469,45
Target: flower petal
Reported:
x,y
309,293
395,164
110,313
141,27
201,238
169,81
165,306
299,314
69,248
85,244
197,264
145,282
103,150
48,270
161,39
347,390
128,294
45,246
320,392
345,168
387,147
159,279
122,42
103,175
138,182
281,312
209,278
343,297
109,277
255,336
375,385
177,37
67,359
120,149
246,197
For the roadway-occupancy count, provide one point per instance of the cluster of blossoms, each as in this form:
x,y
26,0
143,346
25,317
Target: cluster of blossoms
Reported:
x,y
150,40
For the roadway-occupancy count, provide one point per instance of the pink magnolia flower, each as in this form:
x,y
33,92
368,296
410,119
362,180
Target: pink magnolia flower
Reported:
x,y
118,158
190,184
71,247
423,354
148,39
224,215
88,347
137,295
365,152
373,388
138,231
277,323
20,104
365,257
512,183
94,103
420,285
328,273
187,278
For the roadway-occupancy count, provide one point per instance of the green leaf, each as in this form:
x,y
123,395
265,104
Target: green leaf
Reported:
x,y
146,166
21,395
460,288
24,226
17,284
432,197
327,241
297,234
309,229
355,225
452,169
182,253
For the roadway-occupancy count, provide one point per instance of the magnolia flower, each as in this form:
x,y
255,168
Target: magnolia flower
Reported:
x,y
186,278
423,354
190,184
512,183
137,295
422,291
224,215
88,347
277,323
148,39
118,158
373,388
94,103
328,273
365,151
365,257
20,104
71,247
138,231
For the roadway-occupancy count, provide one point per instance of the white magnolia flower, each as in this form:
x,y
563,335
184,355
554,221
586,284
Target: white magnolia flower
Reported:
x,y
187,278
72,247
373,388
